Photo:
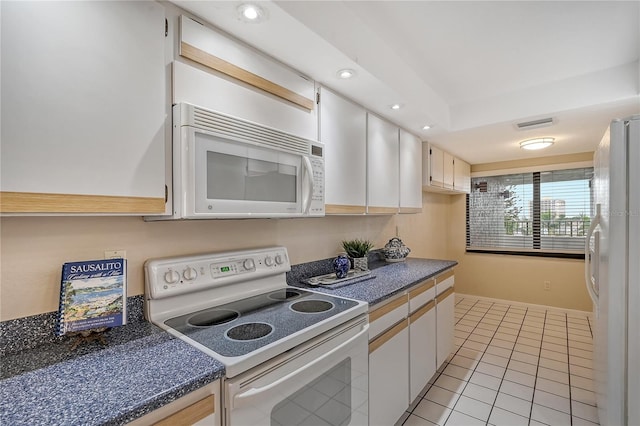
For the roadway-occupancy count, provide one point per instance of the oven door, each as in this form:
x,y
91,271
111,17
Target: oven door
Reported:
x,y
324,381
227,178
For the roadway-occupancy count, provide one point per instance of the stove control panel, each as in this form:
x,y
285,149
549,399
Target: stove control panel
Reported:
x,y
173,276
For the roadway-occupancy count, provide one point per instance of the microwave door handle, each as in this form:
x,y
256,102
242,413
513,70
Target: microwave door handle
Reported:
x,y
311,368
309,190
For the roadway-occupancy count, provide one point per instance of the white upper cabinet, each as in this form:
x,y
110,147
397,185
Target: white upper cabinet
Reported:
x,y
343,130
83,107
447,170
410,173
383,177
462,175
444,173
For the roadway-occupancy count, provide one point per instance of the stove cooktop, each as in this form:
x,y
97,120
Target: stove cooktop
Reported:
x,y
238,328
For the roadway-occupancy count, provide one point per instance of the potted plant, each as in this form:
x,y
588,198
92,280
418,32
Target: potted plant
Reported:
x,y
358,250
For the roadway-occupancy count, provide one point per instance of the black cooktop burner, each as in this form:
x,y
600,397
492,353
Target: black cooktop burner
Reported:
x,y
283,294
240,327
312,306
249,331
213,317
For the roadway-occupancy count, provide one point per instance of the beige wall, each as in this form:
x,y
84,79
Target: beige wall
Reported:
x,y
33,249
518,278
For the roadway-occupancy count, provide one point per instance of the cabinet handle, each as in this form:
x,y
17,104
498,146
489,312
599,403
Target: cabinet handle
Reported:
x,y
377,313
444,276
191,414
422,287
444,294
388,335
420,312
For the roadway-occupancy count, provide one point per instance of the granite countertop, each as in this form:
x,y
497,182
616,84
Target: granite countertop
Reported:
x,y
388,279
141,369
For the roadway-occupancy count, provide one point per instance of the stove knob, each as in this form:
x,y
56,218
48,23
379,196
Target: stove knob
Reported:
x,y
268,261
190,274
248,264
279,259
171,276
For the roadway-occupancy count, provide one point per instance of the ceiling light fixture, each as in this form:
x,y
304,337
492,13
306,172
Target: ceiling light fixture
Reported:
x,y
426,127
538,143
251,13
346,73
396,106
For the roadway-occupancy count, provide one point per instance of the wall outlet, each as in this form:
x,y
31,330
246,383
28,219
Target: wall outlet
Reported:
x,y
111,254
547,285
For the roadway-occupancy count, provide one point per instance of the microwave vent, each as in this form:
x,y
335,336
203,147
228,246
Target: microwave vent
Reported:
x,y
246,131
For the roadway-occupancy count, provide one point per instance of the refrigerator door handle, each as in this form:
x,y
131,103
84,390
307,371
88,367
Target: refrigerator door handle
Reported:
x,y
590,279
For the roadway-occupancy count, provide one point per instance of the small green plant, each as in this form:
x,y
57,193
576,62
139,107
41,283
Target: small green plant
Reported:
x,y
357,248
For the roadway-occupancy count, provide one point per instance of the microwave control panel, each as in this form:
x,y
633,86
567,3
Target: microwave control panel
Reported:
x,y
317,198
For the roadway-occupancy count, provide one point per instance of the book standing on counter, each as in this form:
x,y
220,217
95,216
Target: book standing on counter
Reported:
x,y
92,295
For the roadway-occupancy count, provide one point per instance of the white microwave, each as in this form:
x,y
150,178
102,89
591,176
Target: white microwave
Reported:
x,y
229,168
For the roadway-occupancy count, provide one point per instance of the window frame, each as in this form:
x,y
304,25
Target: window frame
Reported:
x,y
535,250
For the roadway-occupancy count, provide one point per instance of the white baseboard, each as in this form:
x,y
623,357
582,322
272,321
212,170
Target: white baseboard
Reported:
x,y
529,305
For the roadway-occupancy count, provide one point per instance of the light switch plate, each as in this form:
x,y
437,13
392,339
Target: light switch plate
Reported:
x,y
111,254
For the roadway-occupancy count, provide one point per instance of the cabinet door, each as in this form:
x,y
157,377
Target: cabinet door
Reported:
x,y
84,107
410,173
389,375
462,175
445,322
448,173
422,348
436,166
343,130
382,166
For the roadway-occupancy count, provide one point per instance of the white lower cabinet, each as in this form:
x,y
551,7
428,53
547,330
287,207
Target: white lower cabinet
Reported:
x,y
388,375
445,314
422,337
388,361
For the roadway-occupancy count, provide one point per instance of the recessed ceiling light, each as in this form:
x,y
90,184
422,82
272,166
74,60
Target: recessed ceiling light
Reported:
x,y
249,12
396,106
538,143
346,73
426,127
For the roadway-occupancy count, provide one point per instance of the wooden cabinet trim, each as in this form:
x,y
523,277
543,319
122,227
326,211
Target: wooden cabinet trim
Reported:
x,y
191,414
382,210
213,62
440,297
410,210
420,312
344,209
445,275
388,335
33,202
422,287
385,309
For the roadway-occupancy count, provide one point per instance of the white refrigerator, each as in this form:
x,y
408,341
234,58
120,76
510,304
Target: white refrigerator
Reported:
x,y
612,273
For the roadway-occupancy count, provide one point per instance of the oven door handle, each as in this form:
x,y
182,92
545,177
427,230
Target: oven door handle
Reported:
x,y
238,400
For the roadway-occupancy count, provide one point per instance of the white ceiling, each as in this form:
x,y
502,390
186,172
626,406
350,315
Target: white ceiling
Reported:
x,y
471,69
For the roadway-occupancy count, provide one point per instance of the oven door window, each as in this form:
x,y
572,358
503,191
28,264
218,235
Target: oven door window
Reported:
x,y
233,177
326,400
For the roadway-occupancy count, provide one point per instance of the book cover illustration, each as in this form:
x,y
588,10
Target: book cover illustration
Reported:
x,y
92,295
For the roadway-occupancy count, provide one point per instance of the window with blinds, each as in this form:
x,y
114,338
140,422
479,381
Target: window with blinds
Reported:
x,y
529,213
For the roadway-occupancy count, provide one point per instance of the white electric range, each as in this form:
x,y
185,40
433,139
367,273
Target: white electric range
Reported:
x,y
282,347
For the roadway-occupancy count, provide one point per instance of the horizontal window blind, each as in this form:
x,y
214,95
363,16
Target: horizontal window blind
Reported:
x,y
539,211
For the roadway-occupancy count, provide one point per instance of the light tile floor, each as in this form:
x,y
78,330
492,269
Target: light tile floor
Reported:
x,y
512,365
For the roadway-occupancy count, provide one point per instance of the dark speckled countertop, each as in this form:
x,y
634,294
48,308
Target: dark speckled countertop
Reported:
x,y
388,279
142,367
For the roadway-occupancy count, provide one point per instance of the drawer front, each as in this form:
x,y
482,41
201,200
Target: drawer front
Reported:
x,y
384,317
444,281
421,295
